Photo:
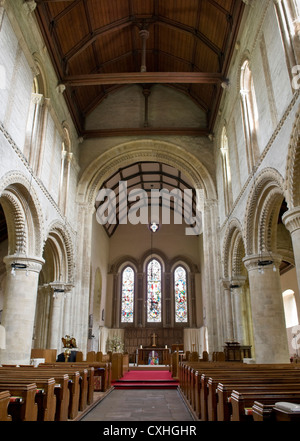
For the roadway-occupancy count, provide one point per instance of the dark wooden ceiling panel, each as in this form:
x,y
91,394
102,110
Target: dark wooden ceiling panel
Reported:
x,y
106,12
102,37
213,24
64,28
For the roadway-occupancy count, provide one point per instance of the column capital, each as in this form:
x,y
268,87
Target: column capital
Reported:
x,y
58,286
291,219
237,282
30,5
23,263
225,284
268,261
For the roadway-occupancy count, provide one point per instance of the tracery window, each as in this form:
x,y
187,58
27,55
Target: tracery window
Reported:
x,y
180,289
127,308
154,291
155,296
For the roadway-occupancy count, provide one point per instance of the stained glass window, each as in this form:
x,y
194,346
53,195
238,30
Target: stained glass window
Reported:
x,y
154,291
180,295
127,295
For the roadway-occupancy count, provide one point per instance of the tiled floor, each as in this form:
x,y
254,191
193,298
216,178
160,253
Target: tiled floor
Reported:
x,y
140,405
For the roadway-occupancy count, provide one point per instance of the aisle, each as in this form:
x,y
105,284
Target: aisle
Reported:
x,y
140,405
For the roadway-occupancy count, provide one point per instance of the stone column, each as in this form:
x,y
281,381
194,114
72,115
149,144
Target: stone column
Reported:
x,y
238,302
212,304
42,316
55,316
291,220
229,336
19,308
269,330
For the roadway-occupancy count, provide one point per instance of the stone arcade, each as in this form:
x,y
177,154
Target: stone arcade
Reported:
x,y
214,112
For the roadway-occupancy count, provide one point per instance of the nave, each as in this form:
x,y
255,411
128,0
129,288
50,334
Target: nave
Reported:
x,y
140,405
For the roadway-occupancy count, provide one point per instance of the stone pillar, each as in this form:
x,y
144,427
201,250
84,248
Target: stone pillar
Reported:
x,y
238,302
42,316
212,301
291,220
229,336
19,308
55,317
269,330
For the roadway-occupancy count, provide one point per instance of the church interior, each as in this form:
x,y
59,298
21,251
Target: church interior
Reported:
x,y
150,182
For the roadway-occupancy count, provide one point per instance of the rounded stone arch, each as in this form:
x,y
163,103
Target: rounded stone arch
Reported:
x,y
155,254
66,135
261,216
59,240
181,260
41,75
292,186
122,262
143,150
233,250
23,215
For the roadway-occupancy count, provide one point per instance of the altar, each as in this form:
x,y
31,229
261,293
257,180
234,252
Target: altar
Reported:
x,y
153,356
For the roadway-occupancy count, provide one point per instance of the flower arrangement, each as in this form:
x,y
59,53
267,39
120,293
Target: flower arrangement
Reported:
x,y
114,344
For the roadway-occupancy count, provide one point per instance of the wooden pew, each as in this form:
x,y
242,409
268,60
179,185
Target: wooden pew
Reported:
x,y
4,402
276,411
224,390
196,391
45,395
233,372
85,377
61,389
102,370
22,406
242,402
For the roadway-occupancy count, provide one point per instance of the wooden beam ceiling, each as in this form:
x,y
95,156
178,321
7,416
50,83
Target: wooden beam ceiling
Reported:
x,y
96,45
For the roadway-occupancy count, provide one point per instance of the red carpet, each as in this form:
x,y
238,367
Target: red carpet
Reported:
x,y
146,379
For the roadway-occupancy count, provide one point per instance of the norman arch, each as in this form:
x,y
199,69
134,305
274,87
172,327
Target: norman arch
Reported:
x,y
146,150
262,211
23,215
293,167
233,250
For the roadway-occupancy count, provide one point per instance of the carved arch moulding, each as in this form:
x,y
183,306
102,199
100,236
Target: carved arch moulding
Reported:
x,y
23,212
292,185
267,190
60,230
232,246
143,150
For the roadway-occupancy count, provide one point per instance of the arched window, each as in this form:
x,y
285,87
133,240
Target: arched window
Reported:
x,y
290,308
34,124
180,289
66,159
249,113
288,16
154,291
226,171
127,304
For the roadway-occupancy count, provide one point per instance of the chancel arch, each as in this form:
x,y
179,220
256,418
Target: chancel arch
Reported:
x,y
125,155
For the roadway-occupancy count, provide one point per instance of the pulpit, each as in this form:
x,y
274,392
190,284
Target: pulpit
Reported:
x,y
235,352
